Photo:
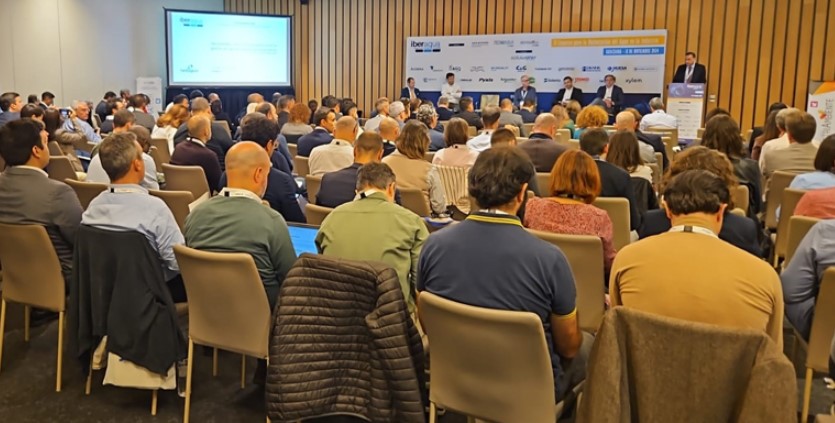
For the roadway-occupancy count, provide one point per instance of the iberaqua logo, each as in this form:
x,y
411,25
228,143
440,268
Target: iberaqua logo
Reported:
x,y
426,46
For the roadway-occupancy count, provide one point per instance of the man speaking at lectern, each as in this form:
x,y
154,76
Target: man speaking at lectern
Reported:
x,y
691,72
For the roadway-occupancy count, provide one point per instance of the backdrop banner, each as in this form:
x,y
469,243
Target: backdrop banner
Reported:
x,y
497,62
686,102
822,107
152,87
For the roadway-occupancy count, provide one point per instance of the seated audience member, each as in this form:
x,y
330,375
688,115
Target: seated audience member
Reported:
x,y
333,104
653,140
340,152
426,115
373,228
281,187
468,113
267,109
782,140
801,279
590,117
739,231
824,174
563,120
216,106
505,138
716,111
659,118
313,105
284,105
761,134
78,122
10,104
625,122
113,106
235,221
689,273
127,206
321,135
624,153
351,110
101,108
389,130
69,142
468,263
567,209
398,112
614,181
219,142
444,112
180,99
298,123
47,99
527,111
490,122
818,203
508,117
28,196
168,123
541,146
340,187
194,152
32,111
381,106
140,110
722,134
573,107
799,156
412,169
96,171
280,158
457,152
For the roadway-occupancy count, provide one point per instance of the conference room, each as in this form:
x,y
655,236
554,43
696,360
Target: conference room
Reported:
x,y
417,210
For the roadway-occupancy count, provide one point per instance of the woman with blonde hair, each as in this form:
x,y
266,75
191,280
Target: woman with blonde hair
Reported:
x,y
411,168
573,108
564,121
168,124
591,117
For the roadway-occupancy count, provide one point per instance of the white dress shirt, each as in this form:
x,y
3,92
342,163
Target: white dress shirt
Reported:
x,y
481,141
659,118
608,92
570,91
337,155
452,92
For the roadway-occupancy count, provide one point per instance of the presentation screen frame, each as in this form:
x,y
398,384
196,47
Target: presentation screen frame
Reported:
x,y
290,46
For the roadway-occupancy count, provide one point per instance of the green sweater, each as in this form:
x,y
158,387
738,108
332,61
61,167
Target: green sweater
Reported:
x,y
242,225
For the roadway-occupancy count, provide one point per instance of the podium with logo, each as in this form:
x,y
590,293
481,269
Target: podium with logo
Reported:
x,y
686,102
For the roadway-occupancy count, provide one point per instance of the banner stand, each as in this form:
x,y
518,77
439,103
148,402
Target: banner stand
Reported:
x,y
686,102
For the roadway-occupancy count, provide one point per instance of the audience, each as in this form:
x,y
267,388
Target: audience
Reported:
x,y
382,107
653,140
659,118
490,122
340,152
505,138
468,263
78,122
457,152
590,117
10,104
625,121
444,112
113,107
568,209
722,134
194,151
122,123
47,100
799,155
563,120
757,133
573,108
801,279
739,231
68,142
216,106
219,142
373,228
824,174
179,99
624,152
298,126
412,169
321,135
168,123
468,113
818,203
507,116
427,115
541,146
339,187
398,112
32,111
127,206
527,111
389,130
689,273
140,103
614,182
28,196
285,104
102,109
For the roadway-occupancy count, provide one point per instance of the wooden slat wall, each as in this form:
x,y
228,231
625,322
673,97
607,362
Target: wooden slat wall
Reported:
x,y
757,51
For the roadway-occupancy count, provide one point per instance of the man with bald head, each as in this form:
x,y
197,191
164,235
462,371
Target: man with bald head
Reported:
x,y
220,141
652,140
540,146
194,151
508,117
235,221
340,152
625,121
389,130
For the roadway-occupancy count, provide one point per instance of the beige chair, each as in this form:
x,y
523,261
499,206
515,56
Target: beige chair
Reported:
x,y
789,201
700,133
820,338
659,160
667,132
301,166
543,180
492,365
799,226
520,140
225,126
669,146
228,307
178,202
563,136
316,214
185,178
489,100
85,191
740,197
32,277
585,256
429,156
414,200
570,144
443,123
313,183
527,128
778,183
157,157
60,168
472,131
55,149
293,148
656,174
456,192
161,144
618,211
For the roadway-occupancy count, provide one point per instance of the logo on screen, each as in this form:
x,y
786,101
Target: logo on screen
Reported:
x,y
566,69
527,57
476,68
582,79
425,80
486,79
435,68
498,68
508,79
521,68
466,79
416,69
543,69
455,68
617,68
634,81
532,43
194,23
645,68
189,69
480,43
591,68
547,80
508,43
426,46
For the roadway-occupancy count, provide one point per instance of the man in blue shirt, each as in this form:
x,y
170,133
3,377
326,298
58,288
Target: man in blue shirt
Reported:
x,y
491,261
78,122
324,119
10,104
127,206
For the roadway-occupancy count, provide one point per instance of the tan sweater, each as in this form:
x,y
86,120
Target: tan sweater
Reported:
x,y
420,174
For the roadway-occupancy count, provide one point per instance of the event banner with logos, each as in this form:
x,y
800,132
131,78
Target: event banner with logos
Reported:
x,y
496,62
822,107
686,102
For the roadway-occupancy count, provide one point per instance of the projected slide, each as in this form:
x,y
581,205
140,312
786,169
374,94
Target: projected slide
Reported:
x,y
214,49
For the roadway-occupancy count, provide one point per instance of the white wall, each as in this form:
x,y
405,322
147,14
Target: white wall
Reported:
x,y
78,49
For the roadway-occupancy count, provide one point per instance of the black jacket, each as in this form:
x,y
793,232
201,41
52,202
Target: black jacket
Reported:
x,y
699,74
736,230
118,290
220,142
657,144
472,118
527,117
576,94
339,187
748,173
444,113
616,182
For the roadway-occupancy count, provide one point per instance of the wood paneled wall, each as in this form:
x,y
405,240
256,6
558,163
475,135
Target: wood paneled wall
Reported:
x,y
756,51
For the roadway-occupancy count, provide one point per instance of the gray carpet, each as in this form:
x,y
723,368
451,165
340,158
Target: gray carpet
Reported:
x,y
27,389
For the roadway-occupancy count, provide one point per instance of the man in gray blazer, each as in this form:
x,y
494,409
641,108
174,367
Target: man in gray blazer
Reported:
x,y
28,196
508,117
799,156
139,111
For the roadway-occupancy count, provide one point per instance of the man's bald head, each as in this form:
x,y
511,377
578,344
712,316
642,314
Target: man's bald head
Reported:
x,y
389,129
248,167
200,106
345,129
506,105
200,127
625,121
546,123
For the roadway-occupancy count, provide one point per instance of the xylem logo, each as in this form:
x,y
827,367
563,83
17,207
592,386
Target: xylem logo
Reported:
x,y
486,79
521,68
634,81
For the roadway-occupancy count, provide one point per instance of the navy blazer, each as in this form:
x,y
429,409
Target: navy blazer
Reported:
x,y
281,194
699,74
436,139
737,230
529,95
339,187
615,182
220,142
404,92
308,142
527,117
444,113
617,94
576,94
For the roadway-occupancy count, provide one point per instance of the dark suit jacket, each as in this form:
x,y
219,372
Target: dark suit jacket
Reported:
x,y
444,113
308,142
617,94
737,230
146,120
388,147
472,118
576,94
106,126
283,117
657,145
29,197
7,117
281,194
699,74
338,188
101,109
527,117
220,142
543,151
188,153
615,183
529,95
436,140
404,93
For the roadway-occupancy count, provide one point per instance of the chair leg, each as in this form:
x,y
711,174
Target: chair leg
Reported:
x,y
188,380
26,321
60,363
807,394
2,327
243,371
154,397
214,362
89,387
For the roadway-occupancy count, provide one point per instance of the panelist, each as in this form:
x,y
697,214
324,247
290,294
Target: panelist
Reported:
x,y
451,91
609,95
525,92
691,72
568,92
409,91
